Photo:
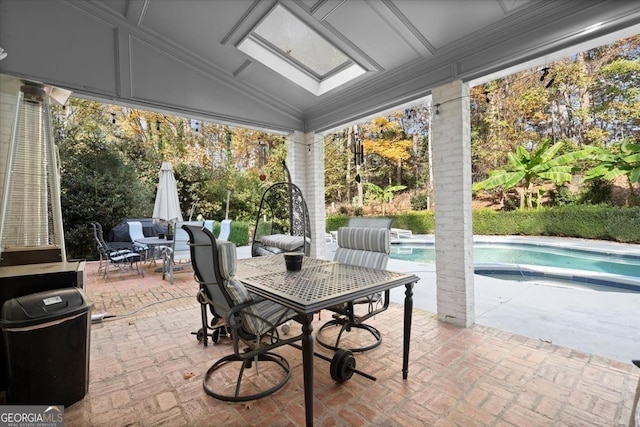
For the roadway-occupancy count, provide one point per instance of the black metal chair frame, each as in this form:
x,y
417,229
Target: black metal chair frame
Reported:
x,y
213,293
345,317
286,212
119,254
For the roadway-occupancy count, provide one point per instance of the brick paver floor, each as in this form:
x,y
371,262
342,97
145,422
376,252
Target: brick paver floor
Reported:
x,y
147,368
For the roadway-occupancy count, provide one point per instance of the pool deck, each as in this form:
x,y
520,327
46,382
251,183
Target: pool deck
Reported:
x,y
601,320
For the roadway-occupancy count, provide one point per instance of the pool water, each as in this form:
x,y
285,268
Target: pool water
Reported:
x,y
536,255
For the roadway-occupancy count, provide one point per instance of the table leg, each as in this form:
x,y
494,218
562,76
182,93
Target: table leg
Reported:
x,y
408,310
307,367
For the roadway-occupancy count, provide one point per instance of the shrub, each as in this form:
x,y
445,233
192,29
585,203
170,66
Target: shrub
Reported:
x,y
418,222
336,221
563,196
602,222
239,233
597,192
420,201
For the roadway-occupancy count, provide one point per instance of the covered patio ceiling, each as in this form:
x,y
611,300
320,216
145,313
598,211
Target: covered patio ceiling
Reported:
x,y
205,59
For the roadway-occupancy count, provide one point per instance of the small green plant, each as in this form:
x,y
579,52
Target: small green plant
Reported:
x,y
383,195
563,196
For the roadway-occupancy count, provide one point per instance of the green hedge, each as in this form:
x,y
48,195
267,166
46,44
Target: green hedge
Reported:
x,y
239,232
600,222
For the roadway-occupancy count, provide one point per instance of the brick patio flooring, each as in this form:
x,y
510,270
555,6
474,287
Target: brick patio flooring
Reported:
x,y
142,360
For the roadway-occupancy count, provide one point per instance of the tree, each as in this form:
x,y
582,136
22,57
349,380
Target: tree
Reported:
x,y
526,169
386,139
97,184
623,159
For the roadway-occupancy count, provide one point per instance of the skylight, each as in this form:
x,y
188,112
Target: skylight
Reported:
x,y
290,47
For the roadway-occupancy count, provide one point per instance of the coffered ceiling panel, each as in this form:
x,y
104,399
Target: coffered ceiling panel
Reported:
x,y
444,22
197,27
183,56
371,33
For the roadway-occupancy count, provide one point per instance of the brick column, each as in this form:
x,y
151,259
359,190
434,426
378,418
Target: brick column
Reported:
x,y
451,144
305,159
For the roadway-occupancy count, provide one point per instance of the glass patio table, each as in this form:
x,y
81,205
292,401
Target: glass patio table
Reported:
x,y
318,285
155,245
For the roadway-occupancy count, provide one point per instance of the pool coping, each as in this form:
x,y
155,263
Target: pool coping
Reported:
x,y
547,272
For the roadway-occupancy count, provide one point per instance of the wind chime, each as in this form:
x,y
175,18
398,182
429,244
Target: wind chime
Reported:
x,y
358,152
262,158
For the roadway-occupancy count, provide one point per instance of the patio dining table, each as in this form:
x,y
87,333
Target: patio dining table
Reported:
x,y
318,285
155,244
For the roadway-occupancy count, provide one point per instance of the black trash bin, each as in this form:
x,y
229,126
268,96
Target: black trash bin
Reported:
x,y
46,336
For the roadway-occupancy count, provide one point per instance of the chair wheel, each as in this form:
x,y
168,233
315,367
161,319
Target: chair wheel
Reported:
x,y
215,336
342,365
200,335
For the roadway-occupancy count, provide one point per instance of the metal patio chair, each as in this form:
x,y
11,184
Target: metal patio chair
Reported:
x,y
363,247
252,321
111,256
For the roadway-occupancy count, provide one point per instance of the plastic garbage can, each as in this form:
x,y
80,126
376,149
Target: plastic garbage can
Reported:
x,y
46,336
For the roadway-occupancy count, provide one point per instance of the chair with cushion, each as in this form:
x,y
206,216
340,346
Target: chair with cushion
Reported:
x,y
225,229
209,224
282,224
120,258
370,222
253,322
98,233
135,233
363,247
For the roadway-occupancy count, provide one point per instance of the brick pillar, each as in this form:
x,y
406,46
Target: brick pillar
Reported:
x,y
305,159
451,144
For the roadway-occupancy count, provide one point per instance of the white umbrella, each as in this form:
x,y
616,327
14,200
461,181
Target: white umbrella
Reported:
x,y
167,206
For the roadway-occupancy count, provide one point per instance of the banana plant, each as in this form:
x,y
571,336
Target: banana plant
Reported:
x,y
621,160
383,195
526,170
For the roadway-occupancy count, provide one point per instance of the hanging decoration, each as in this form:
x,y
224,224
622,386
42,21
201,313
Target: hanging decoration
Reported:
x,y
358,149
262,158
358,152
543,76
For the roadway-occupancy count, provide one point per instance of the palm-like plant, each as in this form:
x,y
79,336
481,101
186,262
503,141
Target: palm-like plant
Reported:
x,y
526,169
383,195
614,163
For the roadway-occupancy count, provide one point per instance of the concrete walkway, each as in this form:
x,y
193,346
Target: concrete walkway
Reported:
x,y
597,320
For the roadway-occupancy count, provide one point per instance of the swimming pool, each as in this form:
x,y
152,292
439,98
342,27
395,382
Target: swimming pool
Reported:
x,y
510,259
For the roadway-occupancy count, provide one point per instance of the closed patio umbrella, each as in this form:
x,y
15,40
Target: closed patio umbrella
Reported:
x,y
167,206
